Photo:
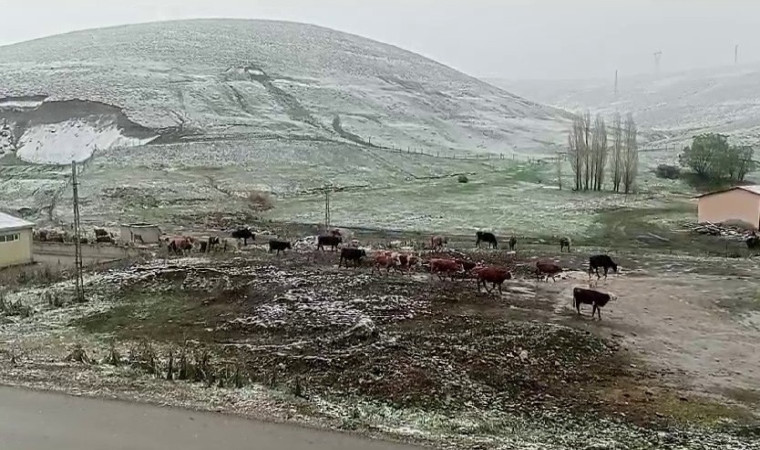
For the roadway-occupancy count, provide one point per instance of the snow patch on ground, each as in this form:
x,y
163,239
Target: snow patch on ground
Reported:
x,y
73,140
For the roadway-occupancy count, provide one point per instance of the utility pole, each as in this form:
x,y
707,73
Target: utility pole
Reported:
x,y
736,54
77,238
327,208
616,83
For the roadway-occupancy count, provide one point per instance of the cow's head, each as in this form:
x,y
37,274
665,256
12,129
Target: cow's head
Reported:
x,y
613,297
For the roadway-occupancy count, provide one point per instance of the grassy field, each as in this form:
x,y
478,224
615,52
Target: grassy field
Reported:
x,y
182,185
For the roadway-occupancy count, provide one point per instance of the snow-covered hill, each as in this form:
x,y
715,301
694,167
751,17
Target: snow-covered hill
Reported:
x,y
670,108
212,79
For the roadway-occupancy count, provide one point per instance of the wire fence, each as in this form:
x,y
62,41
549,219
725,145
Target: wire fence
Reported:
x,y
505,156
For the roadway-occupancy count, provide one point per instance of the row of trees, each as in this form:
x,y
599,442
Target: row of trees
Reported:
x,y
713,159
590,153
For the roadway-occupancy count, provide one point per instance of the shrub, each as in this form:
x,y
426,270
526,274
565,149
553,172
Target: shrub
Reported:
x,y
668,171
260,200
463,179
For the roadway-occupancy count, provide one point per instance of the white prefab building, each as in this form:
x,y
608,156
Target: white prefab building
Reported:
x,y
15,241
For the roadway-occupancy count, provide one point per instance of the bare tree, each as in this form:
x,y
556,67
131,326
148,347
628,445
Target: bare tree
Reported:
x,y
616,161
588,167
560,159
577,150
630,155
598,153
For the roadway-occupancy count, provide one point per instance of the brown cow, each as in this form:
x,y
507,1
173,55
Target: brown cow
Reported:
x,y
547,269
591,297
442,267
406,261
494,275
384,260
180,245
468,266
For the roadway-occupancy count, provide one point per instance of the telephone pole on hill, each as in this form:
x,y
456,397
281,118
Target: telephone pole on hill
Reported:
x,y
616,83
657,58
736,54
327,209
77,238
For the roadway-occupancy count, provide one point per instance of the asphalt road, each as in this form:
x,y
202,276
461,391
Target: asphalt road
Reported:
x,y
32,420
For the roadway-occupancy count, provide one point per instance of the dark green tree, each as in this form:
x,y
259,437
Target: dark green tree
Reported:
x,y
711,157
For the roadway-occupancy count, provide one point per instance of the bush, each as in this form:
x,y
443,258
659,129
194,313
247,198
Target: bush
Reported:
x,y
463,179
260,200
668,171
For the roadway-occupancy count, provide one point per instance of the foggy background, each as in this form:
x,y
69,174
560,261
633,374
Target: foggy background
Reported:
x,y
539,39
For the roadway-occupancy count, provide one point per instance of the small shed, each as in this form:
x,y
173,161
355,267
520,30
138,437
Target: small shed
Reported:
x,y
740,204
15,241
140,233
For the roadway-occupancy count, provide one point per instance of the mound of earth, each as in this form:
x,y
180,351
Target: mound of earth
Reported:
x,y
203,80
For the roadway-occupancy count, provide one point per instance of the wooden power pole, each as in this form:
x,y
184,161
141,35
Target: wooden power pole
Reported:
x,y
327,209
77,237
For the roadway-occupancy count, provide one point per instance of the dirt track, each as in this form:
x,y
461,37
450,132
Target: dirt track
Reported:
x,y
692,328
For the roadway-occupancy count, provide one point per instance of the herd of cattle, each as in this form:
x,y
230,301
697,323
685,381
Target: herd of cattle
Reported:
x,y
405,262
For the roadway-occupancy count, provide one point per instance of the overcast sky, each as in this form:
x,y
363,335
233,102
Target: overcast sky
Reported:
x,y
514,39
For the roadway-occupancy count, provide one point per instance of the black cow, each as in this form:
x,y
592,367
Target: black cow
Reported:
x,y
564,242
512,243
591,297
753,242
100,239
280,246
351,254
597,261
244,234
213,242
330,241
490,238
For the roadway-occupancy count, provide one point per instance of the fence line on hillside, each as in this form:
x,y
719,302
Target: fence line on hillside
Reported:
x,y
493,156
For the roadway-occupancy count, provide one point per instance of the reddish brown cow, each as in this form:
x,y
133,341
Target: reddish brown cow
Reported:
x,y
442,267
494,275
467,265
547,269
406,261
180,245
385,261
437,242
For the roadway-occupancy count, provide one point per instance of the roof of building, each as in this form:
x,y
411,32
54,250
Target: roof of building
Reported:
x,y
754,189
8,222
139,225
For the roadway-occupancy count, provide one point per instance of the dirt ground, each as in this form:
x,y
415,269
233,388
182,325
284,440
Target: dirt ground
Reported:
x,y
367,351
692,329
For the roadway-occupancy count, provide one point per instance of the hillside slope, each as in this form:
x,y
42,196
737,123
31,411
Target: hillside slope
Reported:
x,y
670,108
249,79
